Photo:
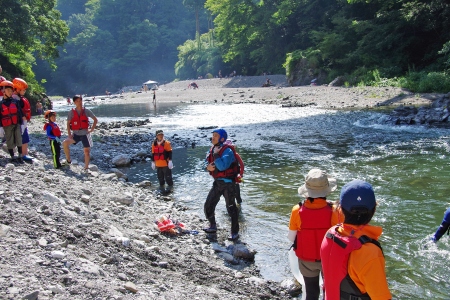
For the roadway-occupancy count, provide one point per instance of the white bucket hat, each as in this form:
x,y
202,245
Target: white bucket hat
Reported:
x,y
317,184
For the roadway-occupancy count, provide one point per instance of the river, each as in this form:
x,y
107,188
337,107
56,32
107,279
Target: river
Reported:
x,y
408,167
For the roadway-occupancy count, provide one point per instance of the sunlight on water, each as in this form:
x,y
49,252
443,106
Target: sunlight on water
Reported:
x,y
408,167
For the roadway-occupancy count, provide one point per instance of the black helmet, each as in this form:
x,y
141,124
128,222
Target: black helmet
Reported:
x,y
159,132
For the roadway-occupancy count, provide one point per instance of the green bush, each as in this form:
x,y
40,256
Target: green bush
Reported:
x,y
423,82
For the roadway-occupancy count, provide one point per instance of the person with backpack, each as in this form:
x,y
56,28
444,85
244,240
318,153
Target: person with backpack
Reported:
x,y
11,120
352,258
78,130
222,166
54,136
162,161
310,220
20,87
239,178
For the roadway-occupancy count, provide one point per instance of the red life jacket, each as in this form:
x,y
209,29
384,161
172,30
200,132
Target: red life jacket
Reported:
x,y
158,151
79,122
335,252
55,129
26,110
315,223
10,114
233,169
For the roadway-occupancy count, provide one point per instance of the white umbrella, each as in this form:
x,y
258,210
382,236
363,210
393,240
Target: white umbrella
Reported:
x,y
150,82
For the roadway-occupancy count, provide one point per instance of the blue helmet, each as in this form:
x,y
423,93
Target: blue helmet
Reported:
x,y
223,134
357,194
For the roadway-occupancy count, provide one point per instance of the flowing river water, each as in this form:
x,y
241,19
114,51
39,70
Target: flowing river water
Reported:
x,y
408,167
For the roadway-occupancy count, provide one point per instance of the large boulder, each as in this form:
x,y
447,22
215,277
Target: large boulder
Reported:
x,y
121,160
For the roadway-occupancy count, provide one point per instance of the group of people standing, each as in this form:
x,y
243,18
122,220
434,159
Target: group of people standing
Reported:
x,y
15,112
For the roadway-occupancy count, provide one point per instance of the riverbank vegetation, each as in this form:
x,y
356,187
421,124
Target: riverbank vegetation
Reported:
x,y
66,46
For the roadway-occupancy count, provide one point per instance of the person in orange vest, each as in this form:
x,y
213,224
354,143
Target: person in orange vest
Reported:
x,y
352,258
11,121
162,161
20,87
78,130
310,220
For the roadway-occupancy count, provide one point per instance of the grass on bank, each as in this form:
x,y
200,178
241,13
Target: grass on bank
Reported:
x,y
416,82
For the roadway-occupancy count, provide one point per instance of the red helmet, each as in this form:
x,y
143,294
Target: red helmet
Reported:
x,y
7,83
20,84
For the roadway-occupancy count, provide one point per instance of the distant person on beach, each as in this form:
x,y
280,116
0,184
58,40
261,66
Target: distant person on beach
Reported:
x,y
39,109
68,101
353,263
78,130
443,228
54,136
11,121
193,85
310,220
222,166
162,161
20,87
267,83
154,97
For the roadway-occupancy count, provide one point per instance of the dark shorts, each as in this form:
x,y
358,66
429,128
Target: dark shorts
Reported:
x,y
25,137
86,140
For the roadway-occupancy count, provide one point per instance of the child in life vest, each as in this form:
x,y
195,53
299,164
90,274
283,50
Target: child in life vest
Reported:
x,y
353,263
54,136
310,220
20,87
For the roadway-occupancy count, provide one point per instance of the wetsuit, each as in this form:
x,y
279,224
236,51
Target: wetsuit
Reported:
x,y
443,227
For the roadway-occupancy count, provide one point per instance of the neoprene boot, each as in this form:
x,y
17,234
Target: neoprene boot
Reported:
x,y
312,287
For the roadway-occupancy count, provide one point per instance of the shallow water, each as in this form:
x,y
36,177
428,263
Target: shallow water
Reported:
x,y
408,167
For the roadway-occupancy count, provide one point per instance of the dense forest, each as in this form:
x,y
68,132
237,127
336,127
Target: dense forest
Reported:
x,y
89,46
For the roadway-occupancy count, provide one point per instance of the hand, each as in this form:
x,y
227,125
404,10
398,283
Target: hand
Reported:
x,y
57,139
170,165
153,165
22,128
211,167
2,132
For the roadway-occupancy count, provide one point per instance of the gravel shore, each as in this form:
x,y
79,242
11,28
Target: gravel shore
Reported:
x,y
249,90
70,234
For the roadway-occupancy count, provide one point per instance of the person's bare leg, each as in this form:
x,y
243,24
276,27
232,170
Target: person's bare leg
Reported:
x,y
87,157
66,148
24,149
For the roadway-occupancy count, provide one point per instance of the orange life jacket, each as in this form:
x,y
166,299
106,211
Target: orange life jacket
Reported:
x,y
315,223
79,121
10,114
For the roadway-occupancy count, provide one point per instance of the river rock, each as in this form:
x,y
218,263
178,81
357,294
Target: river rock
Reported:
x,y
4,229
131,287
121,160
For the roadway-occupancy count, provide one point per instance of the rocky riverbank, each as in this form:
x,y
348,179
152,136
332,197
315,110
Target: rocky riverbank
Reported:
x,y
70,234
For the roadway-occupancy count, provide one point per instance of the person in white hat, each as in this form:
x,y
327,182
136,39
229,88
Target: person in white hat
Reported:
x,y
310,220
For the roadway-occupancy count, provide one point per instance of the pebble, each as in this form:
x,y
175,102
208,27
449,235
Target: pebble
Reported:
x,y
58,254
131,287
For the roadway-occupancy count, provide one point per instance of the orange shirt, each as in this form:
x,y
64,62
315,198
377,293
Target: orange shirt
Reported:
x,y
366,266
168,148
295,222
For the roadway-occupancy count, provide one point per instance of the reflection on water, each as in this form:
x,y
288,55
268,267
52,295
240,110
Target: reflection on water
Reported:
x,y
406,165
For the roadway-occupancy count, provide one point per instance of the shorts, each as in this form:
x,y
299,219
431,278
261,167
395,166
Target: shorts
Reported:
x,y
86,140
25,137
309,268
